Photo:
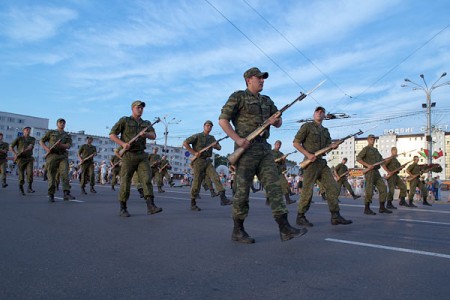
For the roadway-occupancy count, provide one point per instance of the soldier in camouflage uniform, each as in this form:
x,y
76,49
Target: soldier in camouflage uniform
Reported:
x,y
134,159
368,156
312,137
341,173
202,166
24,158
86,155
154,160
247,110
394,180
116,163
57,159
281,168
163,172
4,147
416,170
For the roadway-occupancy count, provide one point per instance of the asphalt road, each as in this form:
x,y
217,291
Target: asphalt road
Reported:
x,y
83,250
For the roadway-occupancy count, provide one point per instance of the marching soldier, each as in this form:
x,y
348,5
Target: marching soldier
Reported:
x,y
57,160
341,173
247,109
134,159
86,155
3,159
394,180
281,168
310,138
115,163
368,156
415,170
155,163
163,172
24,158
202,165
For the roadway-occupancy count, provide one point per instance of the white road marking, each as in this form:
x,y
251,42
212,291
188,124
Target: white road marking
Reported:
x,y
390,248
428,222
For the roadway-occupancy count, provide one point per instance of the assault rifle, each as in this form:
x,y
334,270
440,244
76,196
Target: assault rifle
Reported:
x,y
284,156
123,150
435,167
234,157
19,155
116,164
397,170
325,150
163,167
384,160
52,147
342,175
206,149
85,159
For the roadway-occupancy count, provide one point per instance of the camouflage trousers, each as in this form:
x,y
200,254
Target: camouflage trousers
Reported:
x,y
318,171
115,172
87,173
160,177
373,178
284,185
416,182
57,165
3,163
131,163
344,182
395,181
257,160
204,170
25,165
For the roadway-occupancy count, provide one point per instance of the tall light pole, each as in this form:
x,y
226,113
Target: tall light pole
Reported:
x,y
166,123
428,105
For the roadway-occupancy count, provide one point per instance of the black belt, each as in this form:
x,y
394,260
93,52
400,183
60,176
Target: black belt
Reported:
x,y
259,139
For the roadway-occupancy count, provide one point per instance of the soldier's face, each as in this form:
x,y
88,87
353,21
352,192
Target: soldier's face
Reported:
x,y
207,128
61,125
255,84
137,111
371,141
277,146
319,115
26,132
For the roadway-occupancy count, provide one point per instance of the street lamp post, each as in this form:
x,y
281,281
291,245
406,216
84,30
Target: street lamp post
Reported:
x,y
428,105
166,123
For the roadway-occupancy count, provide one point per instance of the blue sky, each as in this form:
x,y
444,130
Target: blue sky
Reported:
x,y
87,61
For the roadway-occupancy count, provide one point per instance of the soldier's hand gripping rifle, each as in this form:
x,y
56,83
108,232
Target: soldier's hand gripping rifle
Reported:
x,y
206,149
85,159
116,164
163,167
134,139
384,160
325,150
234,157
52,147
391,173
19,155
433,167
284,156
342,175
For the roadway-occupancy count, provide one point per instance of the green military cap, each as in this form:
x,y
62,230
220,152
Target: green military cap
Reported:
x,y
138,103
89,138
320,108
61,120
371,136
255,72
209,122
26,127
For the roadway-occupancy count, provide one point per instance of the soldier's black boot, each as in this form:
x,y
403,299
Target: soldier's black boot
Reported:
x,y
68,196
288,200
213,193
194,206
383,209
51,198
223,199
4,184
239,234
287,232
30,188
171,183
123,210
367,210
356,196
22,191
93,191
151,207
403,202
390,205
113,188
425,202
160,190
324,196
83,190
267,201
411,204
337,219
302,220
141,193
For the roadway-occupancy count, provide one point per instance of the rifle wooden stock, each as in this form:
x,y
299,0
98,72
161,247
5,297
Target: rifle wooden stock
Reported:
x,y
163,167
19,155
398,169
384,160
134,139
206,149
116,164
234,157
284,156
342,175
85,159
52,147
